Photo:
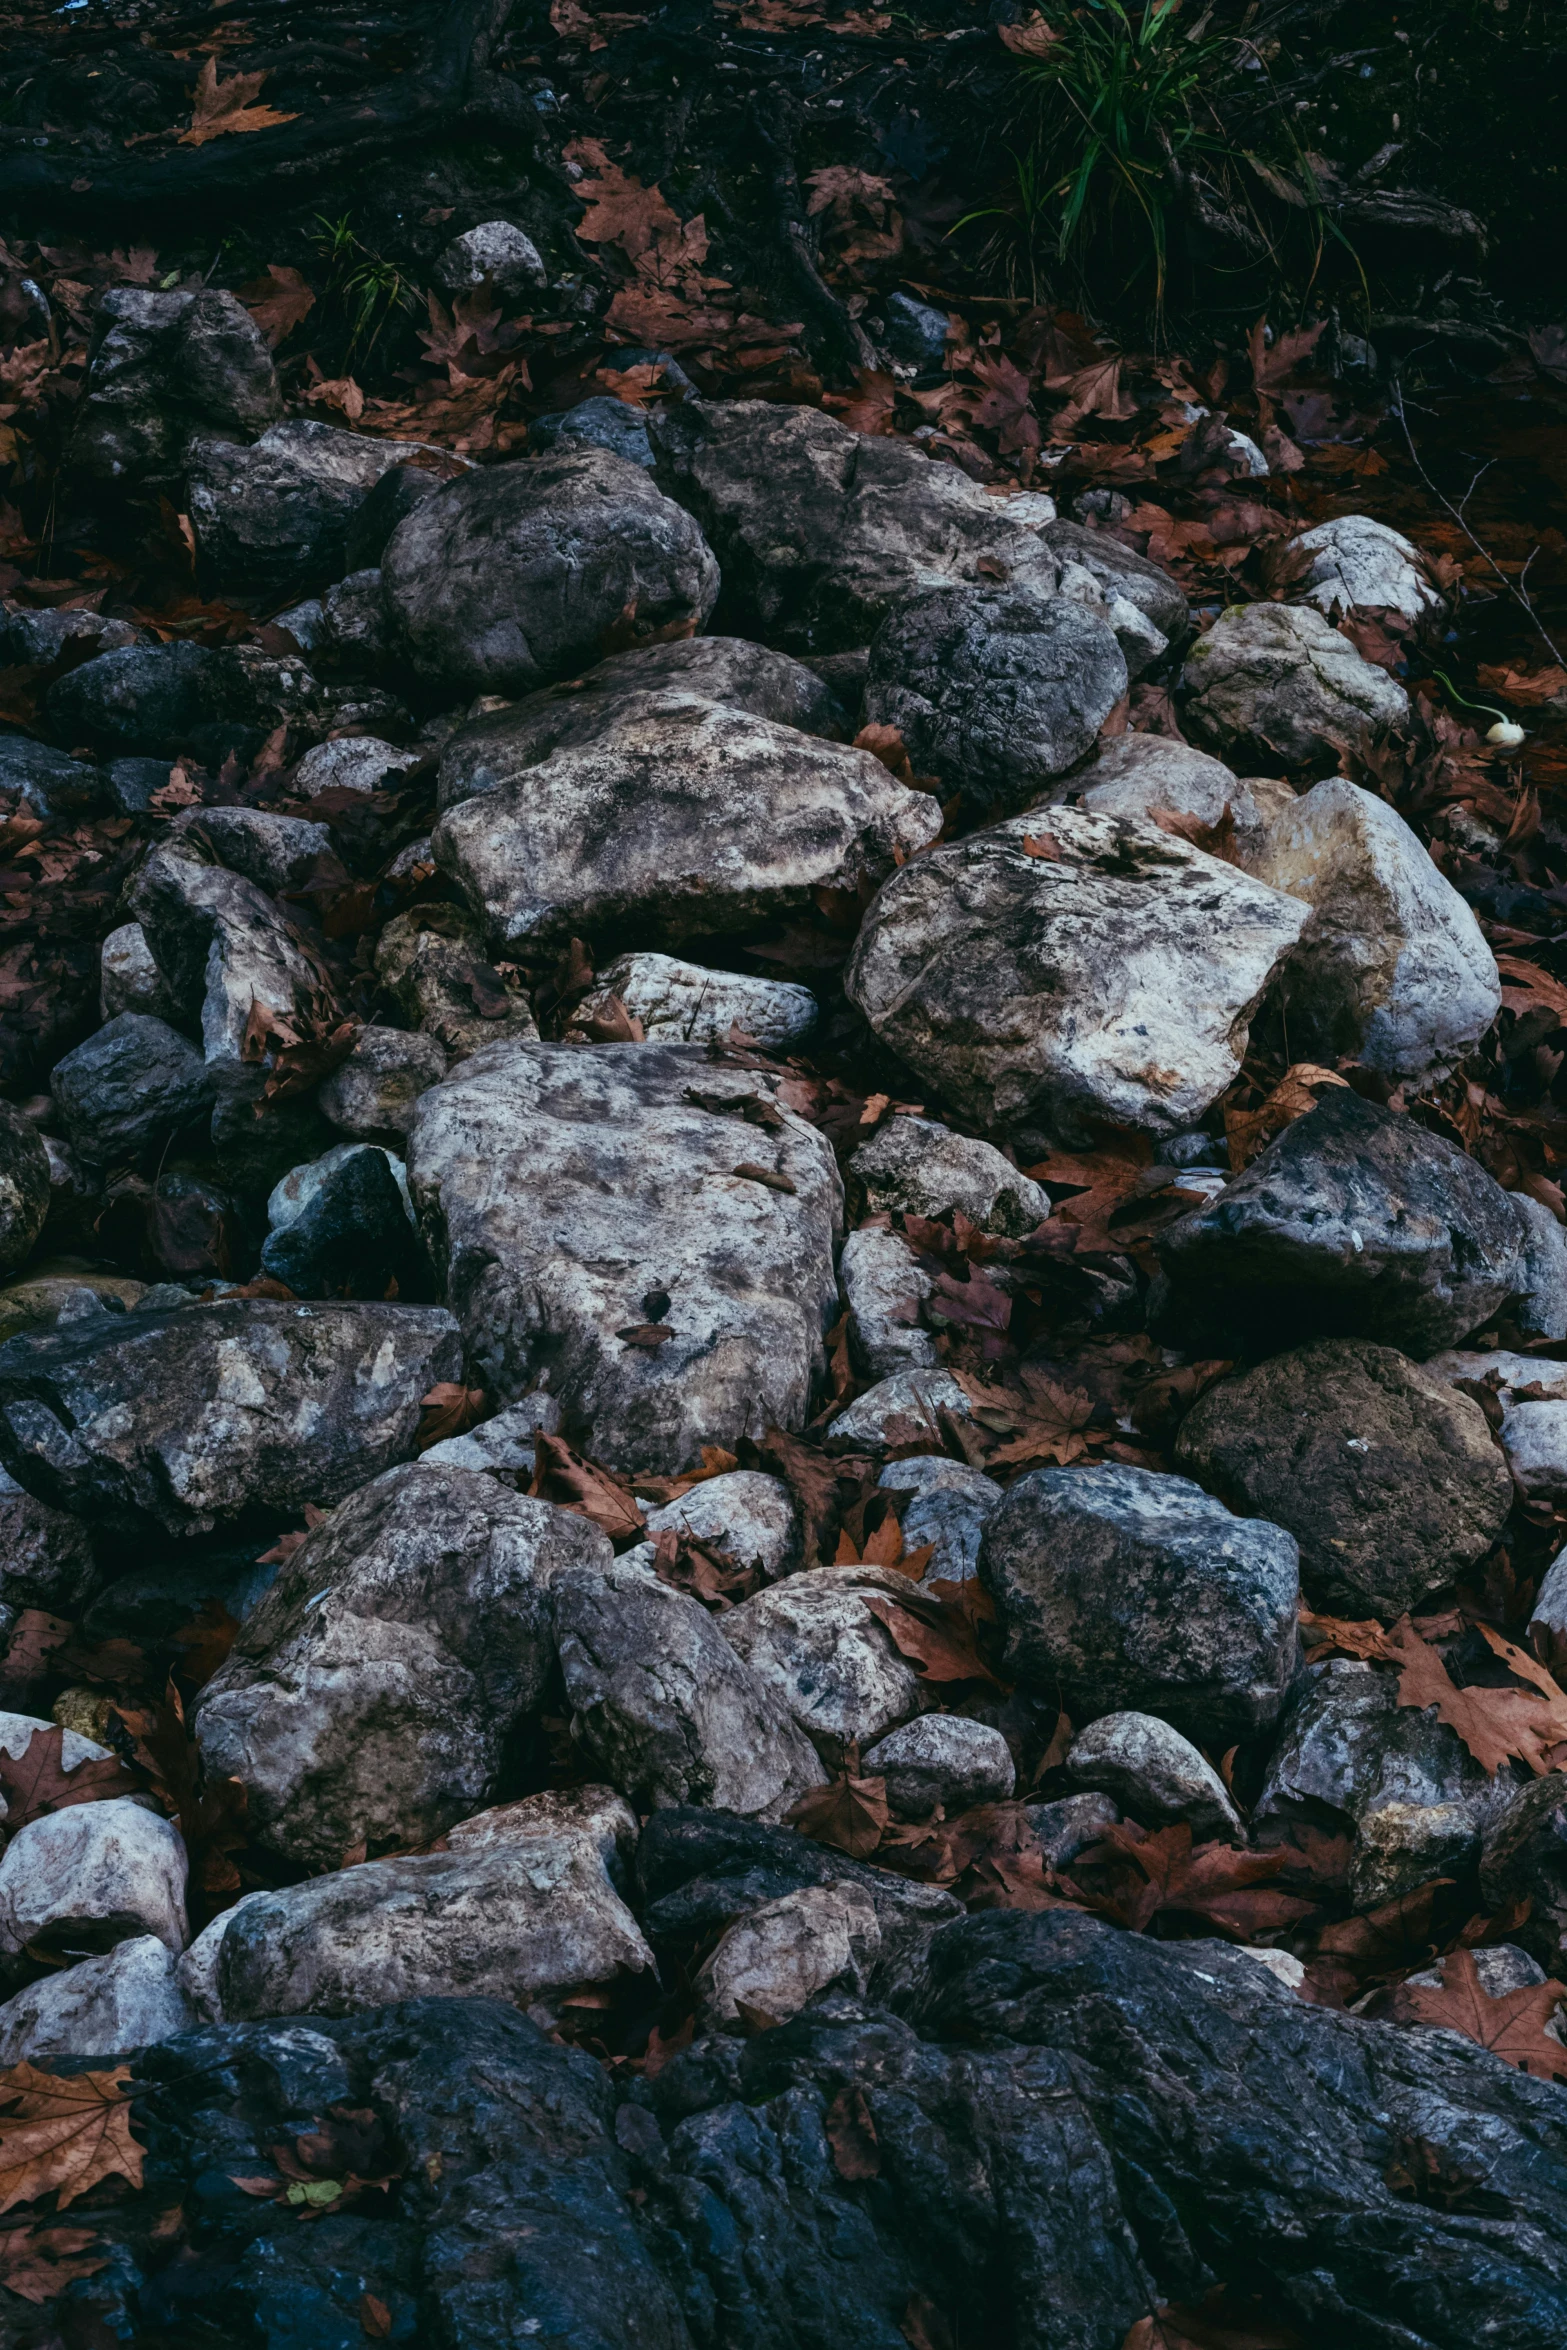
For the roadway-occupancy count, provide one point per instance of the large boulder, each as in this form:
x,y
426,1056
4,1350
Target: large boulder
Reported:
x,y
370,1696
1354,1222
1050,974
273,518
1393,969
134,1079
1386,1476
160,366
1122,1590
565,1191
24,1187
821,531
186,1419
1276,681
689,818
523,573
994,690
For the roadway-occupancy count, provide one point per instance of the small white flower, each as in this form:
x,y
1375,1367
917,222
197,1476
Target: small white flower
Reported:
x,y
1507,734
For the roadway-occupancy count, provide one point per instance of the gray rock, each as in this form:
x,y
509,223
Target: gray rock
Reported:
x,y
1499,1368
132,783
1071,1825
41,637
1356,1222
136,1079
1126,1591
680,1003
371,1695
993,690
941,1760
76,1882
898,1411
400,489
1523,1858
624,831
1121,572
948,1503
915,333
358,638
751,1518
503,1447
200,698
129,1998
223,946
351,1235
1534,1438
1361,565
160,364
371,1095
187,1419
1276,681
784,1952
665,1707
603,1818
921,1168
433,963
561,1187
274,517
829,1656
24,1187
53,784
275,852
351,762
604,423
1387,1478
1418,1801
821,531
46,1557
1153,1773
884,1286
515,575
1109,982
1542,1296
1138,773
1500,1967
495,250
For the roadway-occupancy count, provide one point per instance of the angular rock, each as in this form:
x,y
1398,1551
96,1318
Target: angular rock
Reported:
x,y
884,1286
915,332
605,1819
208,700
46,1558
666,1708
1534,1438
400,489
830,1657
371,1095
1361,565
1355,1221
1121,572
1128,1591
1111,980
1067,1827
52,784
752,1519
942,1759
160,364
947,1505
1387,1478
924,1169
905,1409
1277,681
223,946
135,1080
76,1882
1153,1773
189,1418
129,1998
273,517
1393,969
1138,773
351,1235
1542,1297
370,1697
432,963
620,834
496,250
604,423
351,762
41,637
504,1447
1524,1859
515,575
772,1961
24,1187
820,530
132,783
680,1003
560,1188
993,690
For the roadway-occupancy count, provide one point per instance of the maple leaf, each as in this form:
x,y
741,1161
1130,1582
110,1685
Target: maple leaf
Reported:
x,y
1033,37
206,1641
936,1636
449,1409
64,2136
222,107
851,2134
850,1815
1378,1945
862,214
1341,1636
1094,391
870,406
1249,1131
884,1548
1152,1874
34,1638
36,1782
1526,690
564,1476
1511,2025
1004,406
1496,1725
278,302
38,2263
814,1480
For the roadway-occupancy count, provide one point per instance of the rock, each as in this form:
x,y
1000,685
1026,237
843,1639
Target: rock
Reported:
x,y
350,1235
497,749
1541,1305
560,1188
697,1870
129,1998
53,784
779,1956
1121,572
371,1095
622,833
994,690
1071,1825
1138,773
920,1168
370,1697
1355,1222
186,1419
132,783
277,853
915,333
516,575
350,762
357,636
1500,1370
40,638
503,1447
208,700
400,489
604,423
65,1286
680,1003
667,1708
76,1882
941,1760
1500,1967
223,946
524,1922
1523,1858
432,963
160,364
820,530
1386,1477
1393,969
1418,1803
24,1187
1153,1773
904,1409
1534,1438
1276,681
274,517
815,1640
47,1557
947,1505
884,1286
605,1819
135,1080
752,1519
496,251
1109,982
1361,565
1128,1591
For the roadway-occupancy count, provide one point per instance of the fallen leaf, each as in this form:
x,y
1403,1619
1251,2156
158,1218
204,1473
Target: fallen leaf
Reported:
x,y
849,1815
1526,690
938,1640
1042,844
851,2134
1032,37
36,1782
375,2318
206,1641
222,107
450,1409
34,1638
1511,2025
1341,1636
650,1335
1250,1131
1156,1874
564,1476
770,1176
38,2263
1496,1725
209,1812
278,302
64,2136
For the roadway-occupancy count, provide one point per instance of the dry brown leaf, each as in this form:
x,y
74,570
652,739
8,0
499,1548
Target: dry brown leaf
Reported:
x,y
278,302
38,2263
850,1815
1033,37
1148,1874
937,1640
562,1475
1249,1131
1043,845
1525,689
1497,1725
851,2134
36,1781
1512,2025
63,2136
206,1641
222,107
1326,1636
450,1409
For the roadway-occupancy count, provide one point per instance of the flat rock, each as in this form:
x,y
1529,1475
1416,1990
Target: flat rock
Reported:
x,y
275,852
128,1998
1109,979
605,422
884,1285
941,1760
24,1187
188,1418
1361,565
1278,682
830,1657
690,818
921,1168
76,1882
783,1953
136,1079
680,1003
1129,1591
371,1096
1154,1774
946,1506
516,575
561,1187
1354,1222
273,517
433,963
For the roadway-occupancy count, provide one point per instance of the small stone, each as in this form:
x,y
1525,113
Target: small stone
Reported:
x,y
905,1409
1541,1305
681,1003
915,332
46,1559
41,637
350,762
129,979
1523,1859
134,1081
496,250
433,963
1278,682
503,1447
1361,565
274,517
829,1656
941,1760
1071,1825
1121,573
76,1882
1500,1967
348,1231
129,1998
1154,1774
884,1286
947,1506
24,1187
750,1518
1534,1438
371,1095
776,1959
603,422
921,1168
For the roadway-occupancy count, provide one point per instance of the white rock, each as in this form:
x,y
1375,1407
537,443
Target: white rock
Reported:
x,y
1277,680
898,1411
780,1955
948,1505
1153,1773
1534,1438
1393,967
352,762
1138,773
598,1814
1283,1965
750,1517
1542,1305
834,1663
1499,1368
941,1759
924,1169
128,978
129,1998
683,1004
503,1446
83,1879
497,250
1363,565
883,1286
